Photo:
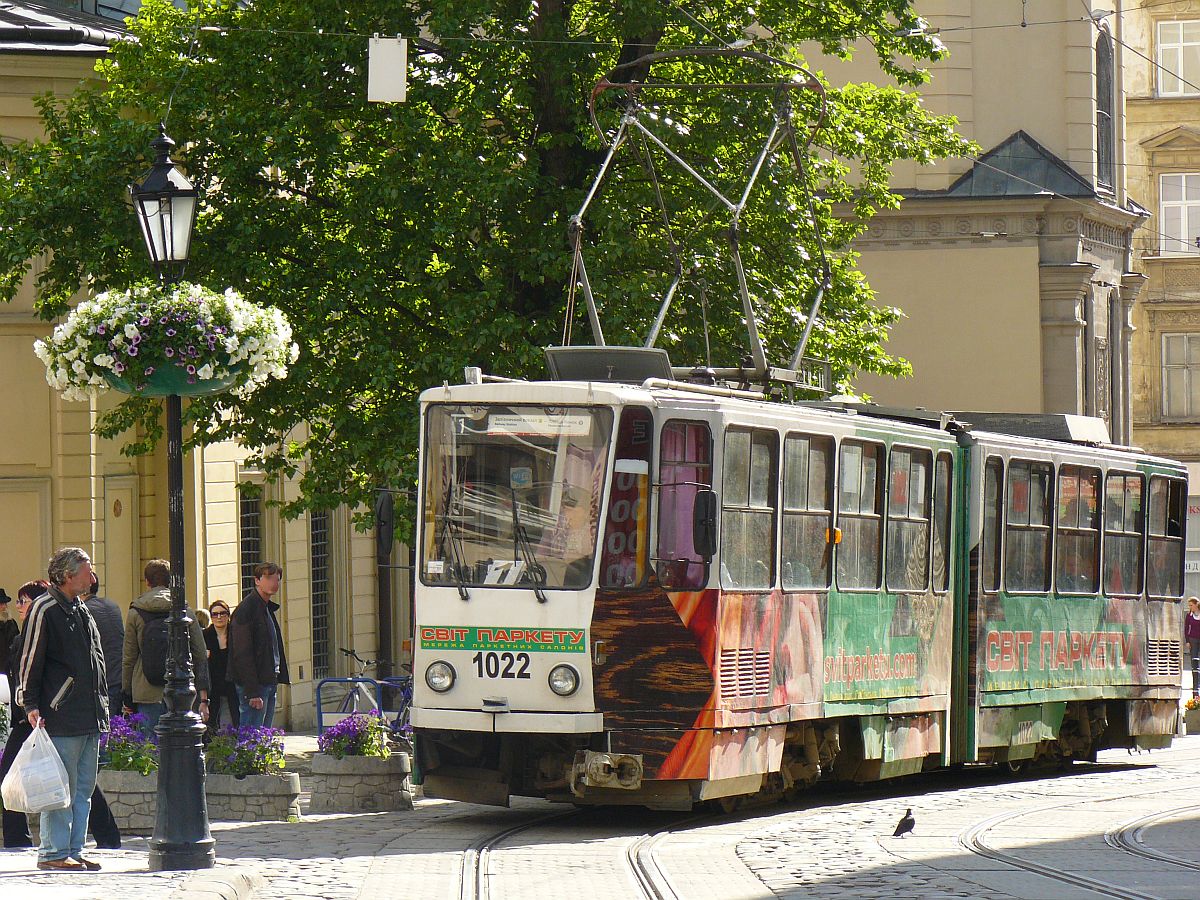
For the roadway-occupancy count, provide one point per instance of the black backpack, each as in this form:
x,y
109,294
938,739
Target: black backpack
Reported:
x,y
154,647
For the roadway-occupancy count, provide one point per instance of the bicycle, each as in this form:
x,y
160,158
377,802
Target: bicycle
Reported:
x,y
358,699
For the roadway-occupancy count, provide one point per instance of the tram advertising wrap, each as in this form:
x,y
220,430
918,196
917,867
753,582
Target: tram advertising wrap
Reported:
x,y
662,595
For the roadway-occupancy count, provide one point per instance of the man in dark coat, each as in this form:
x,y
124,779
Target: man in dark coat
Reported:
x,y
64,690
112,638
257,661
107,616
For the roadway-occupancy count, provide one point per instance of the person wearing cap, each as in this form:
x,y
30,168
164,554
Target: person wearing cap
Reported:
x,y
8,631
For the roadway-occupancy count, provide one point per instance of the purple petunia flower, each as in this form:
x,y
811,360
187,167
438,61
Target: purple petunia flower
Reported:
x,y
144,321
191,349
170,332
149,371
100,329
132,351
118,367
169,351
191,370
191,379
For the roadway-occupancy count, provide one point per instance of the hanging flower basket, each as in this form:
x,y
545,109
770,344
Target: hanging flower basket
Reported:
x,y
156,341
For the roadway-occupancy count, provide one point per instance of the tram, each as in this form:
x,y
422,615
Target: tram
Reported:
x,y
661,590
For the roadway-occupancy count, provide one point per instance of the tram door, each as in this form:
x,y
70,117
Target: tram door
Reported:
x,y
624,558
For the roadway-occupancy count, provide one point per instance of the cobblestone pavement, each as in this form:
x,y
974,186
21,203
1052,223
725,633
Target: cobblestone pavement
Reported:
x,y
836,846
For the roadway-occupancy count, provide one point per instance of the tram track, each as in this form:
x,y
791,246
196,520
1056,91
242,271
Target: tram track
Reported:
x,y
639,856
974,839
1128,837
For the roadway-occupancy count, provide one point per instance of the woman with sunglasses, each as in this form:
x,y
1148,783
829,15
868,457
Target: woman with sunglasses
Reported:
x,y
222,692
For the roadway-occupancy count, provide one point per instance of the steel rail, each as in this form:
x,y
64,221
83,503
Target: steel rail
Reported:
x,y
974,840
474,871
1128,837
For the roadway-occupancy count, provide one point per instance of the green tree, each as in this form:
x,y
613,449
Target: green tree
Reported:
x,y
405,241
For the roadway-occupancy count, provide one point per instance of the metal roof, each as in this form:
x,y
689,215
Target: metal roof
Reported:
x,y
34,28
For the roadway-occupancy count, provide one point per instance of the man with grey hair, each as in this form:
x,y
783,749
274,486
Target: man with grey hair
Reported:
x,y
64,690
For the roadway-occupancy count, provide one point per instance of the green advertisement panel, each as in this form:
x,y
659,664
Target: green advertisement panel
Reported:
x,y
873,646
1048,642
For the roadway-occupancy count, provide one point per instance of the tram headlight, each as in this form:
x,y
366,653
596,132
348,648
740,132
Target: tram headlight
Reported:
x,y
564,680
440,676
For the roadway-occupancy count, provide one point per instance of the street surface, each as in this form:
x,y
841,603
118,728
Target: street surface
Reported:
x,y
1124,828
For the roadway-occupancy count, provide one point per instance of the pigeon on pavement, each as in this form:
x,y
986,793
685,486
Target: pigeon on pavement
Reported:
x,y
906,824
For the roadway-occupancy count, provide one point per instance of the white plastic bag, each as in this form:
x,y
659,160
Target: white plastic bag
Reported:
x,y
37,780
4,690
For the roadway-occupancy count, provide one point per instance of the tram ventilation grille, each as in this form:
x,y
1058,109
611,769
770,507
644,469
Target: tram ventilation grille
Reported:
x,y
745,673
1162,657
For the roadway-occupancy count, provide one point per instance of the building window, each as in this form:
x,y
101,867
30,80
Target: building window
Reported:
x,y
1181,376
1178,57
1106,143
1179,213
250,539
318,531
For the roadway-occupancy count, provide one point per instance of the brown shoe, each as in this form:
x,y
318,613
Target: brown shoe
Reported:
x,y
90,865
61,865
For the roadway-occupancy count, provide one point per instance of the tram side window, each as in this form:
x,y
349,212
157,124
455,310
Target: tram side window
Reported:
x,y
860,508
908,520
807,511
943,483
993,500
1027,532
685,467
1164,550
1078,541
1124,526
748,509
623,556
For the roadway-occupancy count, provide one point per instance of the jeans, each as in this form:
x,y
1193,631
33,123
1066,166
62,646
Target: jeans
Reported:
x,y
153,712
64,830
251,716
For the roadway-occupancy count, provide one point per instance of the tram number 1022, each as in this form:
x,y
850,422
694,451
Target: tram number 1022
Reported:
x,y
501,665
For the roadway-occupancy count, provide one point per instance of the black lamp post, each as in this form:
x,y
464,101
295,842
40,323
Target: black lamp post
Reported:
x,y
165,203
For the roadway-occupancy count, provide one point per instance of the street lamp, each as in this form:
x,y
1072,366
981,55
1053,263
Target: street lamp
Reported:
x,y
165,203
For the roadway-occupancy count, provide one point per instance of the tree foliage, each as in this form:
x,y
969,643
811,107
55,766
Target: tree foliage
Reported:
x,y
406,241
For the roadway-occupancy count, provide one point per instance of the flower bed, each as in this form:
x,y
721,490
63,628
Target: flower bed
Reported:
x,y
201,339
354,771
245,781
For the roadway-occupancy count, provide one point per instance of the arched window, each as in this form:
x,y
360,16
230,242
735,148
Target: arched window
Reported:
x,y
1105,106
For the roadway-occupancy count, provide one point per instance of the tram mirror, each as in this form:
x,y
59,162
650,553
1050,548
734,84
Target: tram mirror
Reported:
x,y
704,524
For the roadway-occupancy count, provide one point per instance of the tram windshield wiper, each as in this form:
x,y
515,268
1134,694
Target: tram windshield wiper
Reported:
x,y
452,542
534,571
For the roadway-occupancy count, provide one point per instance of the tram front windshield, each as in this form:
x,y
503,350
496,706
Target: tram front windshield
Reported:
x,y
512,494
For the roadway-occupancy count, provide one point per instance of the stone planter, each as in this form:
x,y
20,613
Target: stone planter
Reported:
x,y
356,784
254,798
1191,720
132,797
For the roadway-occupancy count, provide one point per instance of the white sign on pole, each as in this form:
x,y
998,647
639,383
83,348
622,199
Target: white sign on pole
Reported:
x,y
387,76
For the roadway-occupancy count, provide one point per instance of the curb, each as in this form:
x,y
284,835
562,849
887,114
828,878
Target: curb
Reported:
x,y
233,883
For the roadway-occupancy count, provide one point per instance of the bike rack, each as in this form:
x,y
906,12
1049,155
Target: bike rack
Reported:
x,y
376,687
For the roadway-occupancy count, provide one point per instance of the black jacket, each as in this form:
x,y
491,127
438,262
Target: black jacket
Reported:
x,y
252,627
107,616
8,633
62,667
